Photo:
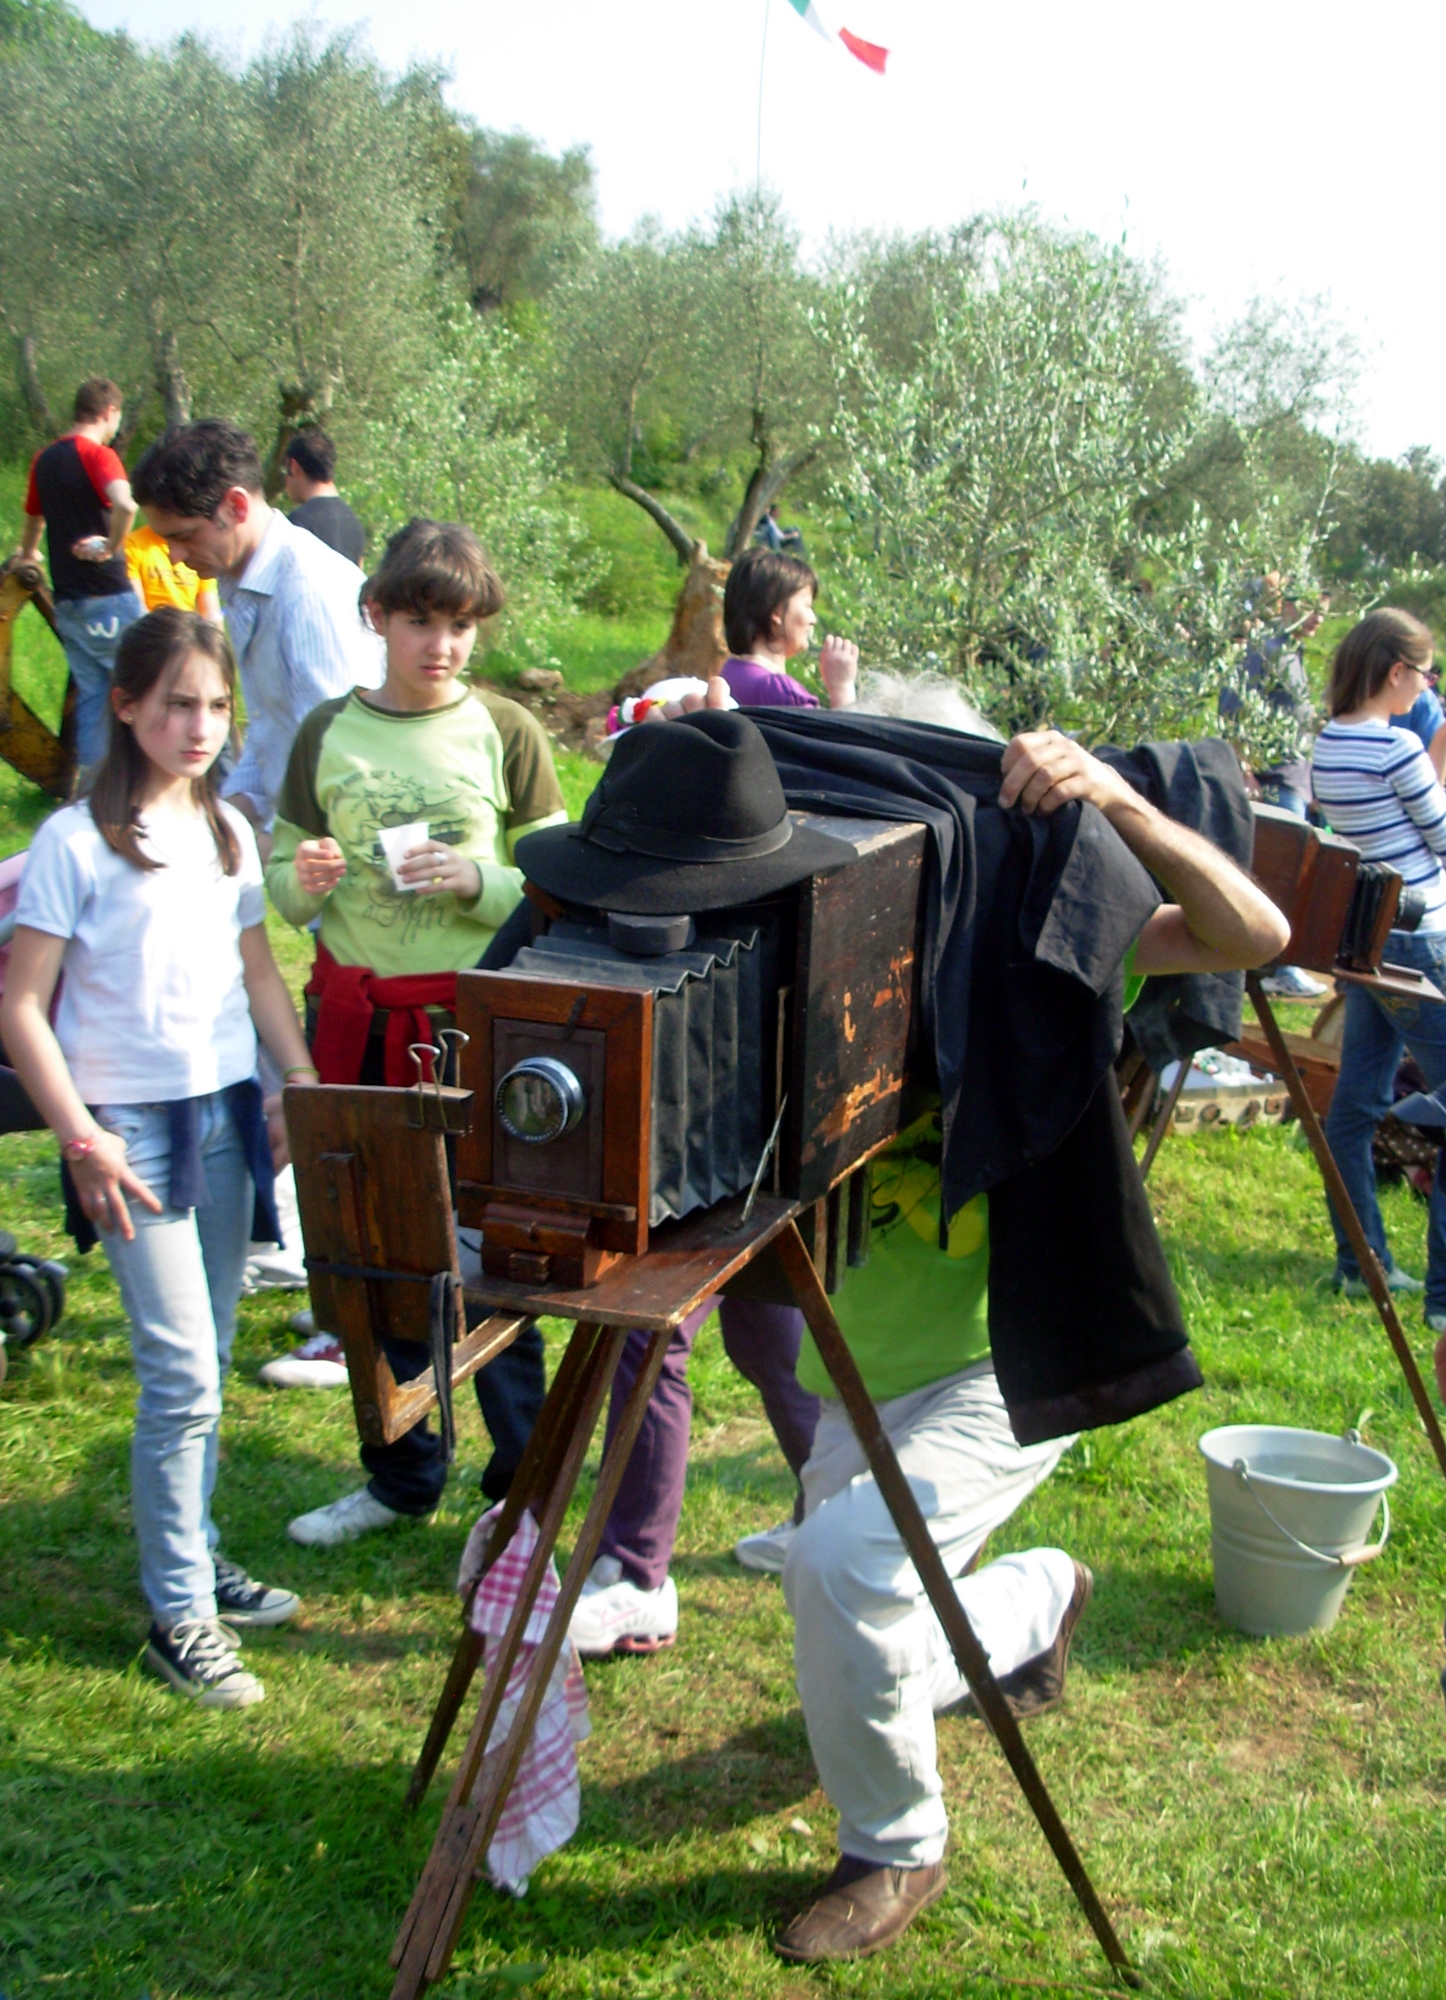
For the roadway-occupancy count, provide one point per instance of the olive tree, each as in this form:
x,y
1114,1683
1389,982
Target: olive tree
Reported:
x,y
998,464
460,442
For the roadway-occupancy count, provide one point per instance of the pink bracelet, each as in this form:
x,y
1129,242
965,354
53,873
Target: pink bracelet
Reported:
x,y
79,1149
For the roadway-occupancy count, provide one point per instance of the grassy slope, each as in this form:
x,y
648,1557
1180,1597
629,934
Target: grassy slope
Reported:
x,y
1263,1818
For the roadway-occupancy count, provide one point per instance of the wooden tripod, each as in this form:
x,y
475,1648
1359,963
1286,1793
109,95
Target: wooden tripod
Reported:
x,y
1284,1062
762,1257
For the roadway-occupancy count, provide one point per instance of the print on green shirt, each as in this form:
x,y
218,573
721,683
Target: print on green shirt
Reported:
x,y
913,1314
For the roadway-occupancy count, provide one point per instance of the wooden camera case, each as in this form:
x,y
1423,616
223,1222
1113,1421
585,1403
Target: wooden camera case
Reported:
x,y
563,1212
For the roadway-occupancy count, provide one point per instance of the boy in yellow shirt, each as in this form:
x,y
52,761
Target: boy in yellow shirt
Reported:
x,y
156,580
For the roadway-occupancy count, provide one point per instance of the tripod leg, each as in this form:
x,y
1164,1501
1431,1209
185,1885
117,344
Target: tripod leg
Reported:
x,y
939,1586
1162,1120
533,1481
465,1857
601,1350
1366,1257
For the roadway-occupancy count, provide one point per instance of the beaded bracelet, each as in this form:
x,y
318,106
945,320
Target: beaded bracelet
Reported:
x,y
300,1069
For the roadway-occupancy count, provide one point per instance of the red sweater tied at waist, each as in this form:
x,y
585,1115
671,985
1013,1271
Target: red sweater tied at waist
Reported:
x,y
347,998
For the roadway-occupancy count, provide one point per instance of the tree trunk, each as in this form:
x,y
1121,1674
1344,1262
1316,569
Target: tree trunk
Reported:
x,y
171,380
302,403
32,388
768,479
677,534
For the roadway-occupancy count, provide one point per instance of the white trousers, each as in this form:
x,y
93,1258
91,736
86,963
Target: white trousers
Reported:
x,y
873,1663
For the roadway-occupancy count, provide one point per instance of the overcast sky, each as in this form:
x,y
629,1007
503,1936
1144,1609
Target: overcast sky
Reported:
x,y
1263,147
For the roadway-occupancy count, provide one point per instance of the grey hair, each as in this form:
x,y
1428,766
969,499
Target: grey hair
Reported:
x,y
922,697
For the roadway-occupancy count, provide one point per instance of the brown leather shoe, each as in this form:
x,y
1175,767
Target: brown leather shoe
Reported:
x,y
862,1909
1039,1683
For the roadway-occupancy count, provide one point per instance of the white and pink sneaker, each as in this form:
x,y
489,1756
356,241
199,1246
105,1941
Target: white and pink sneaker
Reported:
x,y
319,1363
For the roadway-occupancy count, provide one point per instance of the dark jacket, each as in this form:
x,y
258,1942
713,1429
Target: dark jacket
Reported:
x,y
1200,785
1027,923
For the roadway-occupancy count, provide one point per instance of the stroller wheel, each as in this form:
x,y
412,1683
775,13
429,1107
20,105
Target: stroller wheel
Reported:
x,y
24,1305
52,1276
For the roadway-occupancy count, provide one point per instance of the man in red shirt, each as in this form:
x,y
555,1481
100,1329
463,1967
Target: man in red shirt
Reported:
x,y
80,494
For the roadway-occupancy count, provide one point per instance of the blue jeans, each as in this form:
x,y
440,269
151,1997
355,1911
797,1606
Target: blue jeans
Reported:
x,y
1286,797
408,1474
179,1281
1378,1027
90,630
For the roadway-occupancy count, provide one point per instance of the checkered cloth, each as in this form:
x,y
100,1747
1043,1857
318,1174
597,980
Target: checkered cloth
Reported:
x,y
542,1809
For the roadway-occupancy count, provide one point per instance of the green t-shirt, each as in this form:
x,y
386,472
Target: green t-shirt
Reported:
x,y
479,773
913,1313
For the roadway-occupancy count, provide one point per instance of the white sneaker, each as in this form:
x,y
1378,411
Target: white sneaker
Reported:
x,y
1290,983
1397,1281
615,1616
768,1550
272,1271
343,1521
319,1363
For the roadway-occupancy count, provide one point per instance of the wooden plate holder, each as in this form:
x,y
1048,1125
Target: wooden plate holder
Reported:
x,y
376,1217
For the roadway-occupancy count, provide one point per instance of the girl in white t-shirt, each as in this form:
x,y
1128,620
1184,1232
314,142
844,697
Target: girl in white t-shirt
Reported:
x,y
147,897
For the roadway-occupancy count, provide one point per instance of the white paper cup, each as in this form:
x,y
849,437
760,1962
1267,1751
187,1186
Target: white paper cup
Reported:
x,y
397,843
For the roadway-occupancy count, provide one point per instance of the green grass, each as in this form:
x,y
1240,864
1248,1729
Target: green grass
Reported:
x,y
1263,1818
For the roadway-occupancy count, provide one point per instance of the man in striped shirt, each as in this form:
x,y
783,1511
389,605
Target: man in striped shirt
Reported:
x,y
290,601
1378,789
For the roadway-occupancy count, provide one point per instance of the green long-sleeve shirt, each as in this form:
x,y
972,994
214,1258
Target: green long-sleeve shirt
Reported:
x,y
479,773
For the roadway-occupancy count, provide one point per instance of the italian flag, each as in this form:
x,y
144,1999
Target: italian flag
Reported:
x,y
868,53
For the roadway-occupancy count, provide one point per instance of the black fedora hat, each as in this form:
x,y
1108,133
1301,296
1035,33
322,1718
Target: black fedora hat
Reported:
x,y
688,816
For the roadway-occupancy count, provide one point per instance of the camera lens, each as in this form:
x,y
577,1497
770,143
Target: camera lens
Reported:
x,y
1410,909
538,1100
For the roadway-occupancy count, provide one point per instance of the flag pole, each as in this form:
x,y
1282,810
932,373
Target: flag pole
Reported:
x,y
758,160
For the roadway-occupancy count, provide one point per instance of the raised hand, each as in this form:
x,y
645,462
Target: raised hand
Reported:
x,y
838,669
1043,770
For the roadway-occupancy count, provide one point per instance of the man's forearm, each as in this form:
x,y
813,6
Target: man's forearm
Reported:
x,y
30,538
1222,907
120,518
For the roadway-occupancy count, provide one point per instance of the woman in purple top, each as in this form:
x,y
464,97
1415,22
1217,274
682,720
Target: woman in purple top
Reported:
x,y
630,1602
768,620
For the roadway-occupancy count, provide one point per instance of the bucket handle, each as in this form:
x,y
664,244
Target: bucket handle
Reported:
x,y
1352,1559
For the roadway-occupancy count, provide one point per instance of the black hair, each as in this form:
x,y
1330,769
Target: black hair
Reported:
x,y
192,468
435,566
151,648
314,452
760,582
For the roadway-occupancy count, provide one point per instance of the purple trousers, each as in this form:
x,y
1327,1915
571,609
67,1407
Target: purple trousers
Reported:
x,y
762,1342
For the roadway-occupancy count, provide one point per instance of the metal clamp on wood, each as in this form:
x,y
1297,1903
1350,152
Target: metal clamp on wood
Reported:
x,y
433,1106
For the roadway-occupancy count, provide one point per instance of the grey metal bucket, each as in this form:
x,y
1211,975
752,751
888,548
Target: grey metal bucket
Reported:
x,y
1289,1514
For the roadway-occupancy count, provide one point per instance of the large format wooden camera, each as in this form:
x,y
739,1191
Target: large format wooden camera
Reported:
x,y
1341,909
629,1075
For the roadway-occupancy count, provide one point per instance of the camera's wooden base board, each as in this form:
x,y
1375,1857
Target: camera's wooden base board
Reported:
x,y
686,1262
